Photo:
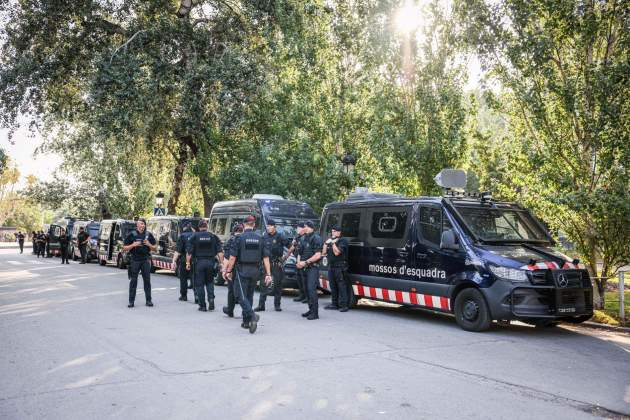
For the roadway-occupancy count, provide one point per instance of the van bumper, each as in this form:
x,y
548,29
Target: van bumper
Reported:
x,y
509,301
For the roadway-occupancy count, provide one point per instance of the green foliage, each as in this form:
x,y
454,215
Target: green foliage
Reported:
x,y
565,72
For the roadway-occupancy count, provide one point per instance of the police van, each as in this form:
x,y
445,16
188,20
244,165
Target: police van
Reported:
x,y
54,231
92,228
166,230
111,235
286,213
469,255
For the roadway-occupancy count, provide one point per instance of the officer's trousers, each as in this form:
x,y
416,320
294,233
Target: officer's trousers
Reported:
x,y
244,293
21,243
41,248
277,273
204,278
83,252
184,276
338,287
300,277
64,254
311,279
136,267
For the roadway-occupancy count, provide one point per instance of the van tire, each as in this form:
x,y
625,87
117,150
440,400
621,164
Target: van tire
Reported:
x,y
354,299
102,262
471,311
120,262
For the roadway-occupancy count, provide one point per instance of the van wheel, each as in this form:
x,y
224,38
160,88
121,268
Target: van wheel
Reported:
x,y
120,263
74,256
354,299
471,311
102,262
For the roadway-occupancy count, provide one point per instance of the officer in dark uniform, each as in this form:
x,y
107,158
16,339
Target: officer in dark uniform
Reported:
x,y
139,244
295,248
205,248
275,243
41,244
82,240
308,260
246,253
231,297
179,261
47,245
336,251
20,239
63,246
34,241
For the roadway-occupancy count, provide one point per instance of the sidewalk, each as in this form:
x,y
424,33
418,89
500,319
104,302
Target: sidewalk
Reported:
x,y
9,245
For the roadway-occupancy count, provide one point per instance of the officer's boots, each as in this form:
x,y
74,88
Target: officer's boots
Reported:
x,y
229,312
211,304
260,307
313,314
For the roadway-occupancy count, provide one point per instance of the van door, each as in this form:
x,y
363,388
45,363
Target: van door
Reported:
x,y
115,238
351,221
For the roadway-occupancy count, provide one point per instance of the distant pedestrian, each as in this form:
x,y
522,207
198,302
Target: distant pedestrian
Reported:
x,y
83,239
63,246
20,239
139,244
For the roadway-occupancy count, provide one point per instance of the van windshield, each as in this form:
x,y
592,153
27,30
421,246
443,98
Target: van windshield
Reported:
x,y
502,224
288,227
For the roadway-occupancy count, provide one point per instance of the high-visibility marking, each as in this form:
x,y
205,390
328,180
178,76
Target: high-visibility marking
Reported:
x,y
398,296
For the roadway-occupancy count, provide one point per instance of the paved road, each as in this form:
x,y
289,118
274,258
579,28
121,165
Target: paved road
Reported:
x,y
70,349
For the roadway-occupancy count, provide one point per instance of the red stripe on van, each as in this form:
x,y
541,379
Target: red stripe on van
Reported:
x,y
399,297
444,302
413,297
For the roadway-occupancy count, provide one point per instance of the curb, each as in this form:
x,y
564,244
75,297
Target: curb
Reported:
x,y
597,325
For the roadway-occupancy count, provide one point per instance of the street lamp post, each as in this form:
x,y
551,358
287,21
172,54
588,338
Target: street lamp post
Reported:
x,y
348,162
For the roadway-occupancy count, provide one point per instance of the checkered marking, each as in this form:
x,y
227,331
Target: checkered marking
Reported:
x,y
163,265
396,296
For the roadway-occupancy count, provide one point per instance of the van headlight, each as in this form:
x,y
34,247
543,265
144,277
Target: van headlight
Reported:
x,y
506,273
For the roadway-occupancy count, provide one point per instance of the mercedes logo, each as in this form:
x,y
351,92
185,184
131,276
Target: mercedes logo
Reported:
x,y
563,281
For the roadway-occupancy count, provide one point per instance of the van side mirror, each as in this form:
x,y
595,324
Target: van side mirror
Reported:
x,y
448,240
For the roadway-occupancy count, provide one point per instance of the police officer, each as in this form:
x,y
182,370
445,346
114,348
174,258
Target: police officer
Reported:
x,y
336,251
47,245
34,241
205,248
308,260
179,262
231,298
139,244
247,251
275,243
83,238
41,244
63,246
299,274
20,239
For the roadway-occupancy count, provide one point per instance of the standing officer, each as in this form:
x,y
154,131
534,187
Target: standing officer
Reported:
x,y
308,260
34,241
139,244
47,245
83,238
179,262
41,244
231,298
296,245
63,246
205,248
275,243
248,250
20,239
336,251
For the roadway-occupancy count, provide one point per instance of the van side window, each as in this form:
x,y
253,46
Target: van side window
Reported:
x,y
332,220
221,226
389,224
350,223
431,224
213,226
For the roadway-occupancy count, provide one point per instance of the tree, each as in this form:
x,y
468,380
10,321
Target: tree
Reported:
x,y
564,68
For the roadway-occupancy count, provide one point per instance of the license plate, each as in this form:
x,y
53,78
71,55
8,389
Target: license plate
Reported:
x,y
568,310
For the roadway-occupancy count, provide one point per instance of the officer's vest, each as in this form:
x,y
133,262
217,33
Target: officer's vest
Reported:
x,y
250,251
308,250
205,245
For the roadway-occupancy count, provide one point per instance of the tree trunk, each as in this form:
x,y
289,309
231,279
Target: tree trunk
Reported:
x,y
208,198
178,177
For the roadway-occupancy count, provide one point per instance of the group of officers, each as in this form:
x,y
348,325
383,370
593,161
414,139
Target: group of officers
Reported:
x,y
41,244
245,259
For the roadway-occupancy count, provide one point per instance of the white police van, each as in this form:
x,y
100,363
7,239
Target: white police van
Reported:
x,y
469,255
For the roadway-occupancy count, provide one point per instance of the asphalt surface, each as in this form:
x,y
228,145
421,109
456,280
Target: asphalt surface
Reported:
x,y
71,349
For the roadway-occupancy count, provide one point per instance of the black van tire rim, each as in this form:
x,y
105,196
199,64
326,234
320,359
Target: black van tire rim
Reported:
x,y
471,311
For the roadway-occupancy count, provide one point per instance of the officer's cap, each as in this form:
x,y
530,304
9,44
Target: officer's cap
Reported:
x,y
300,224
336,228
238,227
250,219
271,222
309,224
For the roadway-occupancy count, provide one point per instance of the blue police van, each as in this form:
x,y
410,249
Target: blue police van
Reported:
x,y
469,255
286,214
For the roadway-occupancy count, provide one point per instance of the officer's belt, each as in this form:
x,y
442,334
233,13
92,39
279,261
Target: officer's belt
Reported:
x,y
339,265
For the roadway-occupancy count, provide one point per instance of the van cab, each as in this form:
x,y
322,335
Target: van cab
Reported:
x,y
92,229
166,230
111,235
286,213
469,255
